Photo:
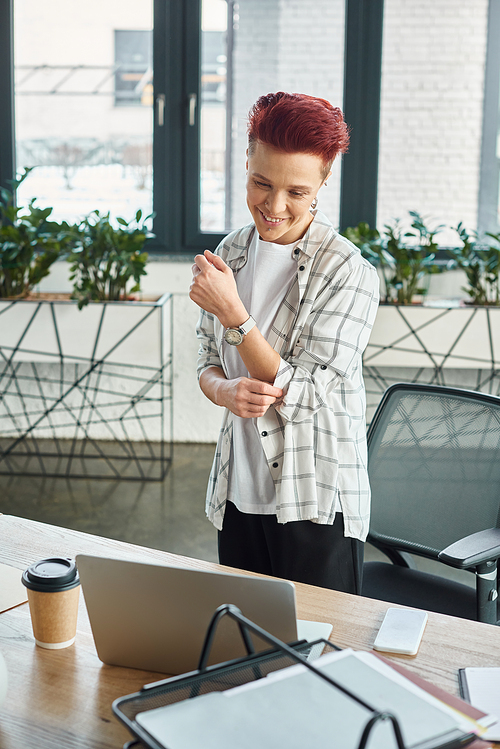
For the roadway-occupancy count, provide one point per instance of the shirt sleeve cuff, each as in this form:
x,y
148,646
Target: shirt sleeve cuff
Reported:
x,y
203,367
284,375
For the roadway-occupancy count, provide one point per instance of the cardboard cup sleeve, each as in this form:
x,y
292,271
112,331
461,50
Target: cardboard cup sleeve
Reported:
x,y
54,616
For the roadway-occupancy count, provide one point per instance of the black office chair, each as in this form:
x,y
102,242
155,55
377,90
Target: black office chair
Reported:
x,y
434,465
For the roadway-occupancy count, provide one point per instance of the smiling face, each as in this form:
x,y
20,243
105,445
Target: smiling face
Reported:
x,y
280,189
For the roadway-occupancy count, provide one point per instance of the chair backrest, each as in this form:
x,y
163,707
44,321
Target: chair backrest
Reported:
x,y
434,466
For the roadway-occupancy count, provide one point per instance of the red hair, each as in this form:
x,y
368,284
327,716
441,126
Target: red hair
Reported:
x,y
298,123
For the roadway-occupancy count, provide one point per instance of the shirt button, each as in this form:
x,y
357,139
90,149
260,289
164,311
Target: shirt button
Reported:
x,y
264,434
302,267
323,366
275,465
296,251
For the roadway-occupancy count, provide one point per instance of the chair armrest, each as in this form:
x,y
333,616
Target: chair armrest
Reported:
x,y
472,550
397,556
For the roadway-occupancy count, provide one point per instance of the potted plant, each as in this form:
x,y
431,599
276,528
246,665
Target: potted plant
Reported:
x,y
404,265
446,344
106,258
29,243
481,265
85,380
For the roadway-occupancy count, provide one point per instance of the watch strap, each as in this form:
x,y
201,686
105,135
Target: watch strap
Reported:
x,y
247,326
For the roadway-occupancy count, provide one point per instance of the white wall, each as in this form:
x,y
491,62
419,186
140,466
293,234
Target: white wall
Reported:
x,y
433,67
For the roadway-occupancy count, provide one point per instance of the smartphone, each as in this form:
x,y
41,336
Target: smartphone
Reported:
x,y
401,631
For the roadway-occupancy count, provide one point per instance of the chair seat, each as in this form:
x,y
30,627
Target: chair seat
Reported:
x,y
419,590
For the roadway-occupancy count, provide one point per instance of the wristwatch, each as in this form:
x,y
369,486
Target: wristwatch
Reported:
x,y
235,336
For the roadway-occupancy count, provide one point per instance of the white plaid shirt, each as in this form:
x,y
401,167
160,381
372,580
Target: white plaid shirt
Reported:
x,y
315,439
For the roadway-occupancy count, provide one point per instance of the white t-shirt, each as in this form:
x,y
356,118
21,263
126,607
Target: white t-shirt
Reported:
x,y
262,284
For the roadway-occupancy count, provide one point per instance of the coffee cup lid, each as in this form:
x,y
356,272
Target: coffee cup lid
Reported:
x,y
51,575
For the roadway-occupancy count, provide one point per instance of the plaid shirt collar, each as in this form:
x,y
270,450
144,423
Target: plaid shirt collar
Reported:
x,y
308,245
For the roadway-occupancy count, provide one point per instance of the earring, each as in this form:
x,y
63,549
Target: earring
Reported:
x,y
314,203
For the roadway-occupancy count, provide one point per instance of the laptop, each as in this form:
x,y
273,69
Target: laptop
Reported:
x,y
155,616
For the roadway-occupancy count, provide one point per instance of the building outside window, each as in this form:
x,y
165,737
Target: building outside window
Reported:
x,y
133,68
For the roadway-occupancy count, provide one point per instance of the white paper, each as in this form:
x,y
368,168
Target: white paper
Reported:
x,y
12,591
294,708
484,692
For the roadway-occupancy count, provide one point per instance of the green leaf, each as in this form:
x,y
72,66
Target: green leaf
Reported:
x,y
105,259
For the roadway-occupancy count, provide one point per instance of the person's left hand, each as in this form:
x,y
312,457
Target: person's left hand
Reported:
x,y
213,288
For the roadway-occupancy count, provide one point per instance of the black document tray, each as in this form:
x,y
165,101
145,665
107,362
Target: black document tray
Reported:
x,y
222,676
214,679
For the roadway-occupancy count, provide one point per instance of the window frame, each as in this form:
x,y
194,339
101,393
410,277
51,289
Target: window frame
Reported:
x,y
193,236
7,132
176,145
362,90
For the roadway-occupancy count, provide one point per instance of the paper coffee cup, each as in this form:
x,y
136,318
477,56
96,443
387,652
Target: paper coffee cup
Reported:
x,y
53,592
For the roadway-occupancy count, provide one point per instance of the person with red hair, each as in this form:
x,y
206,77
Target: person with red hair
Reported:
x,y
287,306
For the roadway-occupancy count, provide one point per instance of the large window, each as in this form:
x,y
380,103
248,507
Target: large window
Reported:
x,y
104,132
83,105
250,48
85,98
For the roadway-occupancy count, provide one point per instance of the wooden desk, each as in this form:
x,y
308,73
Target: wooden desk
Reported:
x,y
61,699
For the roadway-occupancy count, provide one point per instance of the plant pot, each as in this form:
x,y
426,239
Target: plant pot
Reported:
x,y
454,346
86,392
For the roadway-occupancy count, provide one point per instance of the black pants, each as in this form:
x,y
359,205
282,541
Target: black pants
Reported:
x,y
302,551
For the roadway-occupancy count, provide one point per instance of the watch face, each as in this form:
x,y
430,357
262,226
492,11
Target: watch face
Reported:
x,y
233,337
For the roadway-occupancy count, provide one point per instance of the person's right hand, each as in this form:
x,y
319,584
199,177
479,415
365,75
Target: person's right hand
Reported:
x,y
247,397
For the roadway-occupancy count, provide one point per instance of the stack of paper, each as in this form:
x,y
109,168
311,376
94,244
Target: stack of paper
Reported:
x,y
295,708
